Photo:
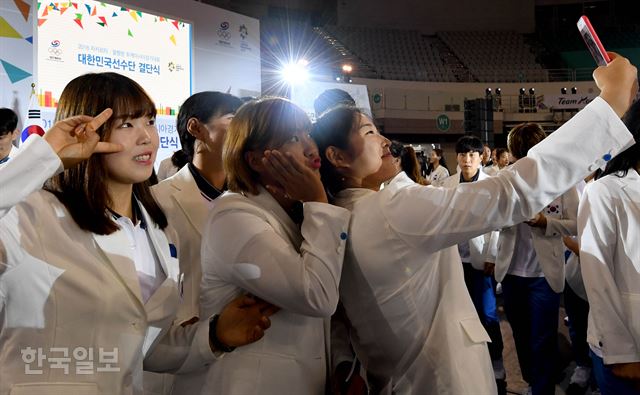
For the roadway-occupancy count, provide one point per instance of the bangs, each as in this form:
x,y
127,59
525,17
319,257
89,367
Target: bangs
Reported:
x,y
92,93
132,102
286,122
283,120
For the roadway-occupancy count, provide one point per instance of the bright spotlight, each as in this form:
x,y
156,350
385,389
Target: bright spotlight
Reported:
x,y
295,73
347,68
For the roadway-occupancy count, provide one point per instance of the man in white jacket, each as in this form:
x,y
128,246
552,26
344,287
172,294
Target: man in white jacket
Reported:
x,y
478,258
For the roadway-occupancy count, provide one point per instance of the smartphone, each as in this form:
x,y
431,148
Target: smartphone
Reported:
x,y
593,42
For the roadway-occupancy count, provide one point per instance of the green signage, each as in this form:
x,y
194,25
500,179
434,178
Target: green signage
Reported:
x,y
443,122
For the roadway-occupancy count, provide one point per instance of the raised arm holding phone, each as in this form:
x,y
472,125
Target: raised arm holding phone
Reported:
x,y
402,285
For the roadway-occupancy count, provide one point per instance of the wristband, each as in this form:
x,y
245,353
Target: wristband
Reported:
x,y
213,338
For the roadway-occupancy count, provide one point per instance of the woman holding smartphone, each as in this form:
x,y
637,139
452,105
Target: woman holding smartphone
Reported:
x,y
415,328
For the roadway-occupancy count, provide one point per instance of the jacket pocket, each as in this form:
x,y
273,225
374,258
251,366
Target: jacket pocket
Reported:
x,y
474,330
54,389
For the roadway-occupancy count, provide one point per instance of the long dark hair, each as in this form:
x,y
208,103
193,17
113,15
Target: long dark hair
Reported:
x,y
334,128
202,106
410,165
82,189
630,157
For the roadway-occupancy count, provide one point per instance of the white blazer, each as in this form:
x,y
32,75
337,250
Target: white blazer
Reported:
x,y
166,169
491,170
438,175
609,228
562,216
66,290
250,244
572,273
416,330
484,247
186,211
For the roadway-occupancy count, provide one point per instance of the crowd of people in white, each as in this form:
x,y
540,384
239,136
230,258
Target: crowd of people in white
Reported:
x,y
285,257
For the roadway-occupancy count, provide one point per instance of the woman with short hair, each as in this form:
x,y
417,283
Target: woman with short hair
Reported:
x,y
530,265
273,235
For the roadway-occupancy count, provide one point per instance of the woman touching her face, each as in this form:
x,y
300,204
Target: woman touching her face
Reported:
x,y
273,235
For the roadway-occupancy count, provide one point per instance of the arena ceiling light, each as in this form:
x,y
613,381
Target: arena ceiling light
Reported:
x,y
296,72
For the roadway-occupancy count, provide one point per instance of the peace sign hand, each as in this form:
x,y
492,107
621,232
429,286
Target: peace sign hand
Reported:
x,y
75,139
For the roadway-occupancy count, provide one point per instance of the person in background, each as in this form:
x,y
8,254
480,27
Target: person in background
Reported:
x,y
437,171
170,166
486,156
409,164
502,160
609,233
8,133
187,197
478,258
331,98
530,265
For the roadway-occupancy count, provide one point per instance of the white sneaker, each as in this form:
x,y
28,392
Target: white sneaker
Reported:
x,y
581,376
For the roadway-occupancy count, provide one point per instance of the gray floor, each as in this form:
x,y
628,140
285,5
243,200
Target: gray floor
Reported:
x,y
515,384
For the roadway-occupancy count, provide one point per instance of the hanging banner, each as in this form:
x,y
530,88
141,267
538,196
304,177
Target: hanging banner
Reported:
x,y
75,38
566,102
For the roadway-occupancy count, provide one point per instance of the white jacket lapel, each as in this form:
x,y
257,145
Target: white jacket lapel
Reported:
x,y
283,223
189,202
